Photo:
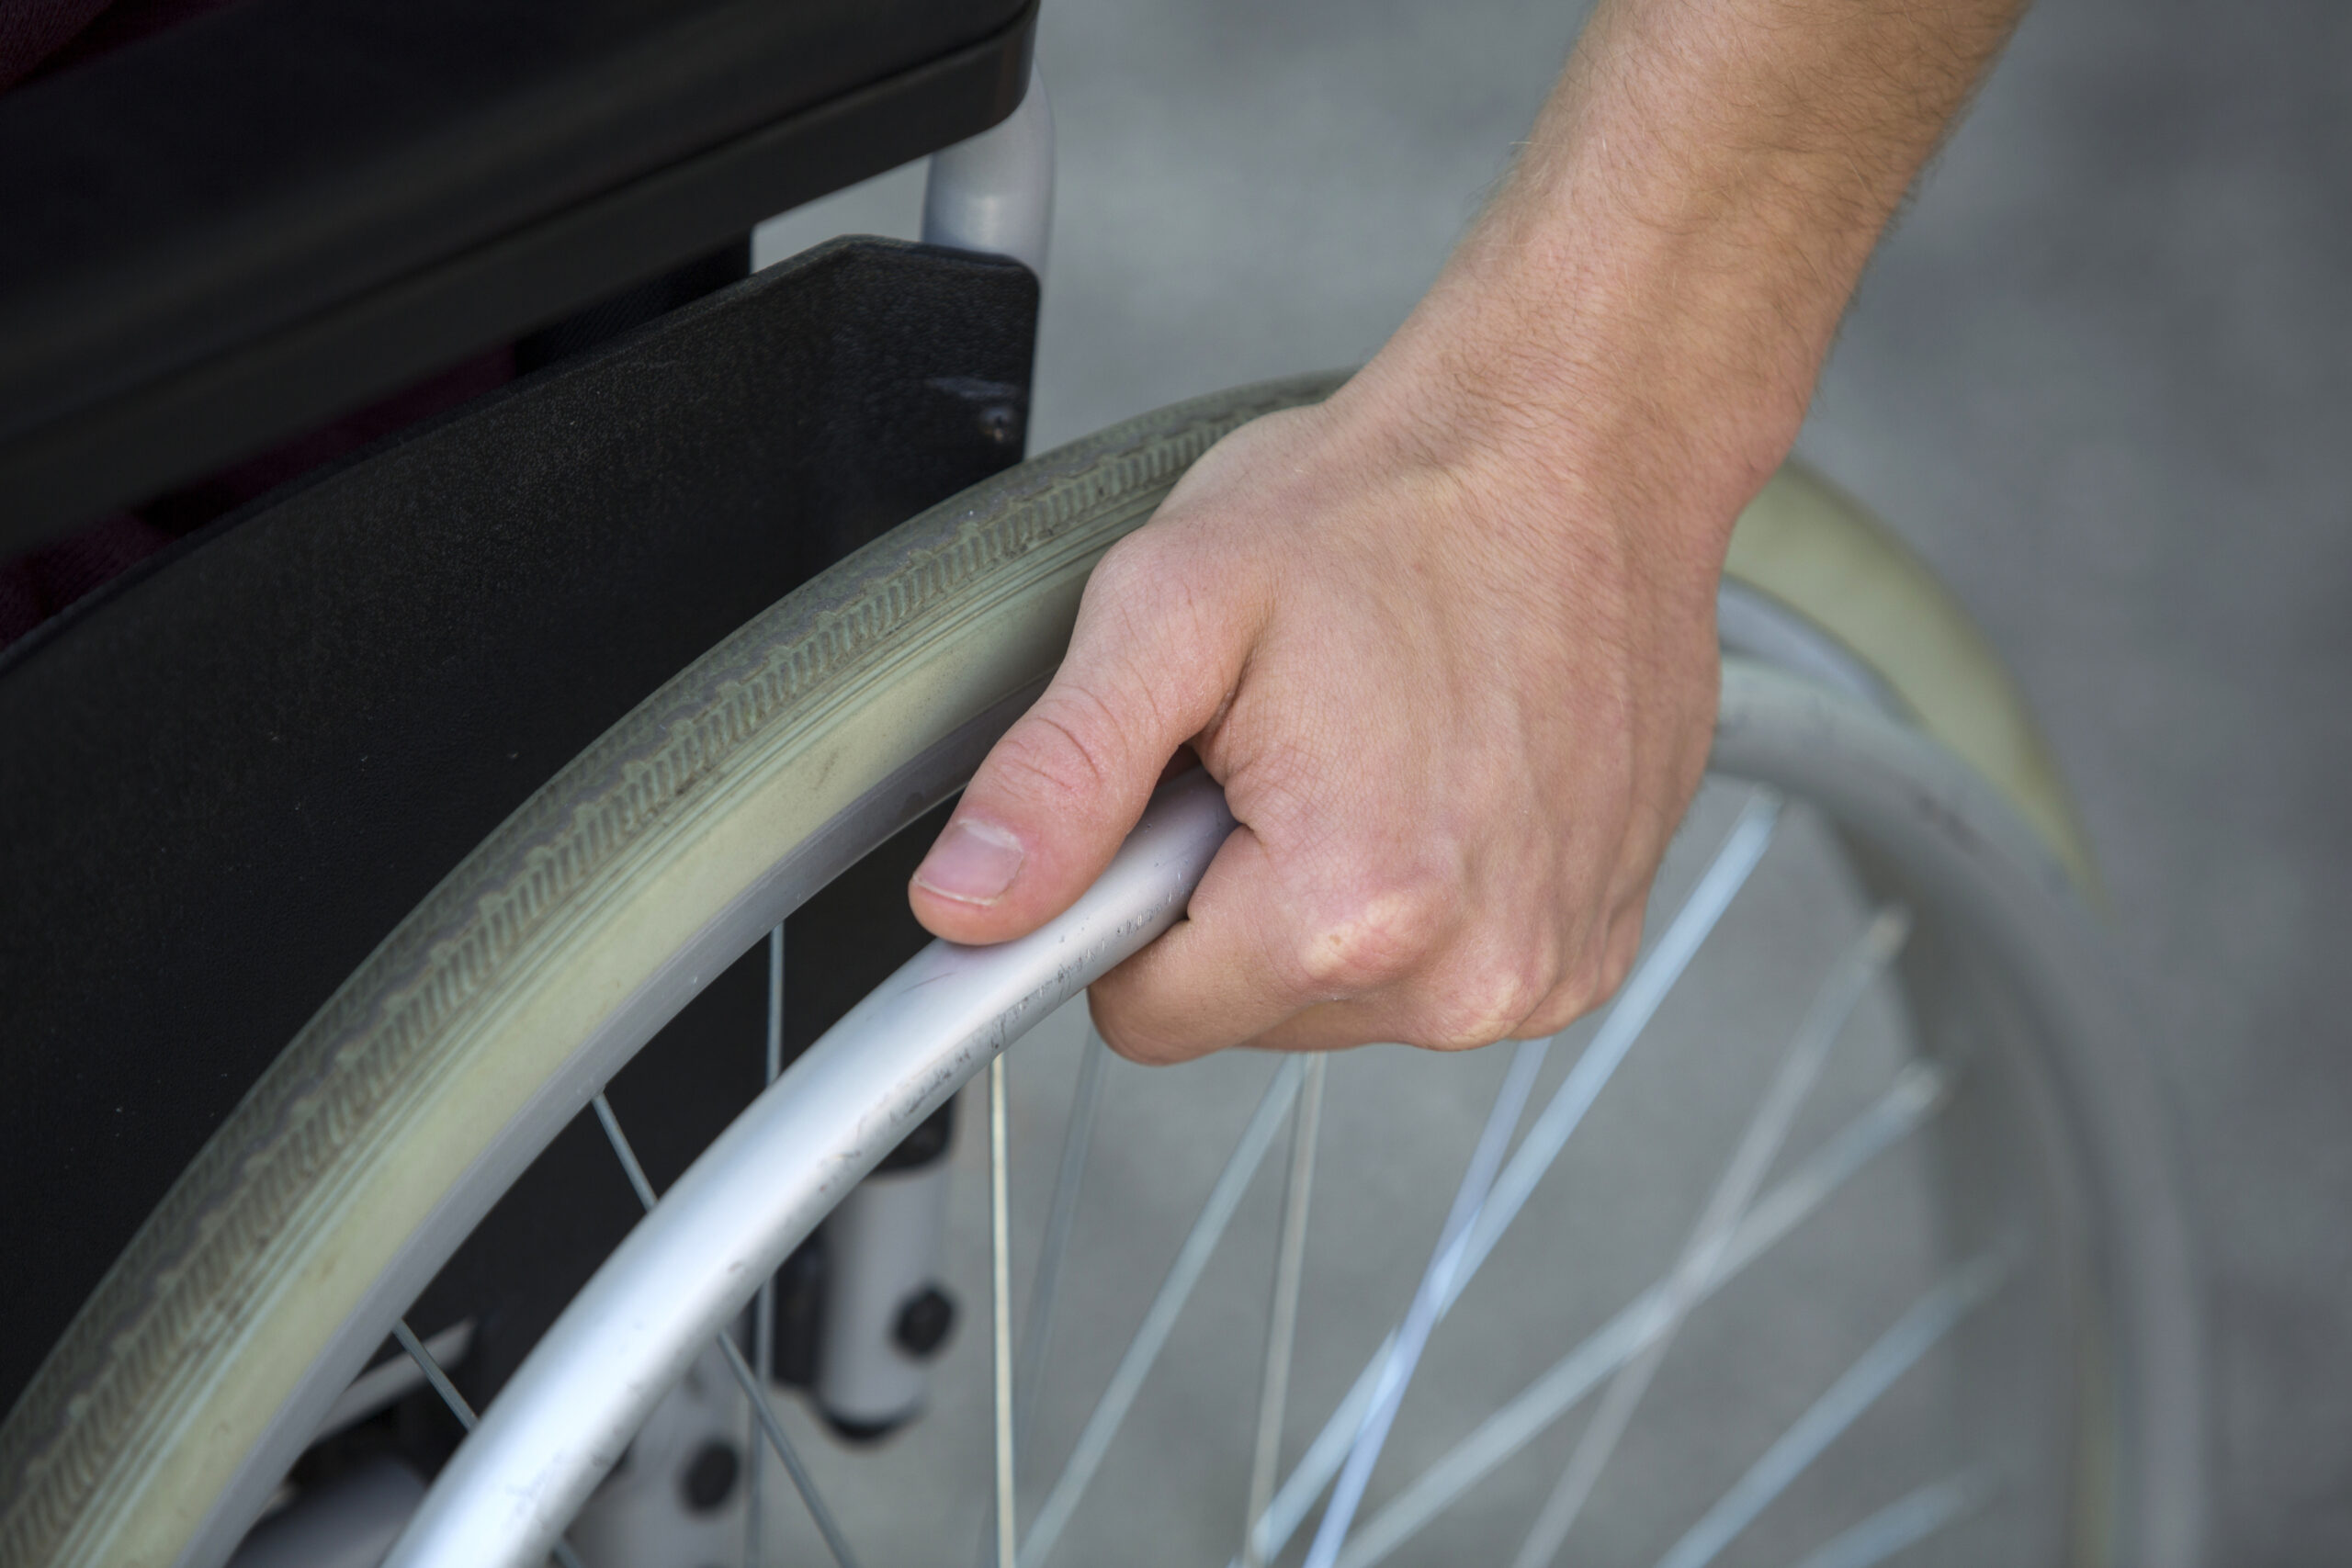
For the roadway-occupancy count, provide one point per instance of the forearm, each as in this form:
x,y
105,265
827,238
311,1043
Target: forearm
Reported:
x,y
1663,271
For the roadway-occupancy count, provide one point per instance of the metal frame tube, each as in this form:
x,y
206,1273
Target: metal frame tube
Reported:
x,y
995,192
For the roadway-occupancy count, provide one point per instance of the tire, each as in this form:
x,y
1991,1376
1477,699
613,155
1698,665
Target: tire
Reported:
x,y
155,1430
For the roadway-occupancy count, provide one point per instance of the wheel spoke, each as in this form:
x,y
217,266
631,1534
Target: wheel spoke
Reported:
x,y
802,1481
805,1484
1916,1333
1904,1522
1808,1051
1653,976
1637,1004
763,1305
1898,1112
431,1366
427,1363
1152,1336
1420,1317
1282,1315
1078,1137
1916,1094
1000,1302
1061,1217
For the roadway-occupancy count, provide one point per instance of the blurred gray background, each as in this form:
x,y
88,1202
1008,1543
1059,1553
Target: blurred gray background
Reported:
x,y
2100,375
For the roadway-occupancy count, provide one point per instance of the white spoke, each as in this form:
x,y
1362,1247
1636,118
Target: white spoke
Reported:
x,y
774,1064
1904,1523
1808,1051
1111,1409
1061,1218
1078,1137
1653,976
625,1152
802,1481
1282,1315
1896,1115
431,1366
1918,1093
1637,1004
1857,1389
1420,1317
763,1305
1000,1303
805,1484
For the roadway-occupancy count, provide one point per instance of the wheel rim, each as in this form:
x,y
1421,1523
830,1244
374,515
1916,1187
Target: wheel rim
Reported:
x,y
1781,731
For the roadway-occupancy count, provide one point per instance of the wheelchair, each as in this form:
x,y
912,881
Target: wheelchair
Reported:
x,y
475,1091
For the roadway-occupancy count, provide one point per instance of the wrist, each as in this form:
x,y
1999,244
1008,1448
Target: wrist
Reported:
x,y
1594,387
1652,292
1590,322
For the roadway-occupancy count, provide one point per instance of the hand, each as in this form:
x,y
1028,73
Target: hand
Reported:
x,y
1457,702
1447,640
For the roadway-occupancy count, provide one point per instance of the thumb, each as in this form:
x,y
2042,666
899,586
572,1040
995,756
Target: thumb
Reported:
x,y
1149,666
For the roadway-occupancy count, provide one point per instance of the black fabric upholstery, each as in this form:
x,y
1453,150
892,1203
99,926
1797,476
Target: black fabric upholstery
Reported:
x,y
230,231
227,774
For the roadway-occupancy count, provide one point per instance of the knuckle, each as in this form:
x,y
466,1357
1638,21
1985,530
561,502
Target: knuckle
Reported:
x,y
1599,969
1580,989
1146,597
1066,751
1556,1013
1485,1003
1367,942
1154,593
1618,952
1578,992
1154,652
1129,574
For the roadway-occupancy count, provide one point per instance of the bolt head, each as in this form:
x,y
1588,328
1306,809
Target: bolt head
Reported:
x,y
924,1321
709,1477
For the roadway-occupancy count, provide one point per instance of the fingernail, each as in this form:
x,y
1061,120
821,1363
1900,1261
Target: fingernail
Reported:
x,y
973,863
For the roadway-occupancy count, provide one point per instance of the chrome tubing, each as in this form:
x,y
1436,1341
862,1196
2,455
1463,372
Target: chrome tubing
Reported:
x,y
684,1273
995,193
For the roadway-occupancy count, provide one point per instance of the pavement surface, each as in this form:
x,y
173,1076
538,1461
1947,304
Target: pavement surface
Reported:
x,y
2101,375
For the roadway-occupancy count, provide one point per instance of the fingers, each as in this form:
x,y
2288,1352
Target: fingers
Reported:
x,y
1592,984
1254,964
1269,954
1150,663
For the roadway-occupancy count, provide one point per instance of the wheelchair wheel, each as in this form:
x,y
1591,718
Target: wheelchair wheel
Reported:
x,y
1983,1347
